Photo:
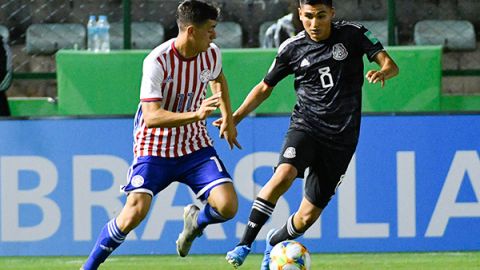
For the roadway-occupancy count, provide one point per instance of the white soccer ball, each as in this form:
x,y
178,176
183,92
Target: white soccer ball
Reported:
x,y
289,255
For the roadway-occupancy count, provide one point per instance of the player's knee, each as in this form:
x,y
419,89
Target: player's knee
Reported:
x,y
284,176
131,216
286,172
224,200
228,210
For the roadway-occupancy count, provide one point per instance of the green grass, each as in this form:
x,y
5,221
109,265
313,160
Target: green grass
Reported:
x,y
358,261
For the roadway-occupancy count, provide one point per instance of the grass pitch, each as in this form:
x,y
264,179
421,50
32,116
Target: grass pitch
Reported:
x,y
358,261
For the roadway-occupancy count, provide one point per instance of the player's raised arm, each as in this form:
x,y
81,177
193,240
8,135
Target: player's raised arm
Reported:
x,y
388,69
226,125
257,95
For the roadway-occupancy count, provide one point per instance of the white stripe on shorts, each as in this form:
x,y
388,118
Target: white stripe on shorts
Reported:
x,y
211,184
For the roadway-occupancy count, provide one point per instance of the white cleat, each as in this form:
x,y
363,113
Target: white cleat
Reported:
x,y
190,230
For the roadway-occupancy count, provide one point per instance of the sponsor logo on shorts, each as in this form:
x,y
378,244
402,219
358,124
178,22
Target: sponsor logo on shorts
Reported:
x,y
137,181
290,152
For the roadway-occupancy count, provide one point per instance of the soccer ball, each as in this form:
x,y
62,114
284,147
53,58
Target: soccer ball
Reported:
x,y
289,255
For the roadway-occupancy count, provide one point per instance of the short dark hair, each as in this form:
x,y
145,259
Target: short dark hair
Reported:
x,y
316,2
196,12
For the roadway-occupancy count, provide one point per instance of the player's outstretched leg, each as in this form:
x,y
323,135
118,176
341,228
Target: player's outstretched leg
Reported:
x,y
260,213
109,239
191,230
268,249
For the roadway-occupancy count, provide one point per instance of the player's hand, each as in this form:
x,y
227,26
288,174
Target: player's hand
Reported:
x,y
208,106
375,76
218,123
228,131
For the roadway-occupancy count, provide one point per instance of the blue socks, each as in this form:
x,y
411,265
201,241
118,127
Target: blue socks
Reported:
x,y
209,216
109,239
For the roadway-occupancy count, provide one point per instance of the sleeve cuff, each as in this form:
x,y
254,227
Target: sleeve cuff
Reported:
x,y
150,99
268,84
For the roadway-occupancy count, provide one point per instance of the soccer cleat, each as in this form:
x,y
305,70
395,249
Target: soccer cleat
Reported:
x,y
268,249
237,256
190,230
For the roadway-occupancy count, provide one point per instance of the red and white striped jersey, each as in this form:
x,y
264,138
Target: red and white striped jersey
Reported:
x,y
180,85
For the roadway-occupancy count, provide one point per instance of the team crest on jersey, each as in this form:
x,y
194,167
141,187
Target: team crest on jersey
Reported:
x,y
290,152
137,181
339,52
205,76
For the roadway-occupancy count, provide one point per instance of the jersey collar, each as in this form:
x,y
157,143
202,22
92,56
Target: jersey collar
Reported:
x,y
177,54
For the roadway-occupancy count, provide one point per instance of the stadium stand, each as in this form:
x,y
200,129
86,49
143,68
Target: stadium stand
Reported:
x,y
144,35
18,16
378,28
262,32
452,34
229,35
49,38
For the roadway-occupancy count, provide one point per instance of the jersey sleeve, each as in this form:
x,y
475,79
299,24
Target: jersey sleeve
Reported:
x,y
217,56
369,43
152,77
279,69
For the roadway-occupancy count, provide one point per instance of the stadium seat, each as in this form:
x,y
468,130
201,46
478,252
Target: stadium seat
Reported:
x,y
4,32
145,35
229,35
261,32
452,34
378,28
49,38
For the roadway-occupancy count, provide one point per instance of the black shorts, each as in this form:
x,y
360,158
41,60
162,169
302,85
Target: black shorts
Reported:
x,y
327,166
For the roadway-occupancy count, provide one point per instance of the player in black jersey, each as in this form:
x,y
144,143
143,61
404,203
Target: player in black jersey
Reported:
x,y
326,60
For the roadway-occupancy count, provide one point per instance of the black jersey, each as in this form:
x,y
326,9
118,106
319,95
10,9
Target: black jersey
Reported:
x,y
328,81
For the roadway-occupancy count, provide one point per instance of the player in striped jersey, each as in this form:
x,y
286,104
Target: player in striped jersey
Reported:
x,y
170,137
